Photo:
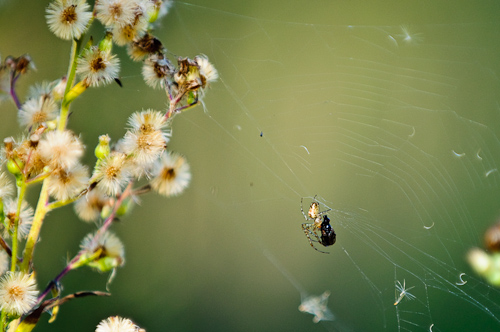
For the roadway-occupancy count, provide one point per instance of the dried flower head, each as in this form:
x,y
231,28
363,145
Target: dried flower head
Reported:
x,y
157,71
20,65
145,46
171,174
68,19
112,173
116,12
96,66
117,324
18,293
25,218
188,75
89,207
65,184
60,149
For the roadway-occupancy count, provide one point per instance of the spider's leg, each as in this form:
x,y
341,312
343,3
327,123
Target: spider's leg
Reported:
x,y
308,232
322,213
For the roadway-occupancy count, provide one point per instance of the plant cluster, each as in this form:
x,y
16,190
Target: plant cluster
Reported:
x,y
47,155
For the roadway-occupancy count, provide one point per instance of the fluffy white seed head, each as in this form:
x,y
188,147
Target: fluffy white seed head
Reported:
x,y
6,187
122,35
89,207
207,70
116,12
171,174
18,293
37,110
97,67
66,184
147,138
4,262
157,71
111,245
25,218
60,149
117,324
112,173
68,19
148,121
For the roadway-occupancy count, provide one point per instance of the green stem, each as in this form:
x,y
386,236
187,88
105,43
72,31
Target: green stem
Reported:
x,y
3,320
75,50
20,199
59,204
41,211
38,178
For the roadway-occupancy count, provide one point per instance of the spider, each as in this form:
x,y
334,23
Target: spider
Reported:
x,y
328,236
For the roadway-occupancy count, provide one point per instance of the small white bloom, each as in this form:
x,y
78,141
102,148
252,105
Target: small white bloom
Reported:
x,y
171,174
18,293
68,19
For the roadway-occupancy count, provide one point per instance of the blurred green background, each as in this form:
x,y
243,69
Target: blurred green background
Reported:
x,y
388,110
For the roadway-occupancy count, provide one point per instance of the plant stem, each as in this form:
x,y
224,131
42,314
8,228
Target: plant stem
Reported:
x,y
20,199
75,50
13,92
71,265
2,321
41,211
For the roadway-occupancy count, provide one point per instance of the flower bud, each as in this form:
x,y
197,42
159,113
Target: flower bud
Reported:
x,y
15,166
102,149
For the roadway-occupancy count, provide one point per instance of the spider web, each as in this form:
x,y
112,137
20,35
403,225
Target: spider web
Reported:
x,y
392,126
390,120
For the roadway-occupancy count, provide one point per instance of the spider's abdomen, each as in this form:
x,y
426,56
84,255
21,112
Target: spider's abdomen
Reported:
x,y
328,236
